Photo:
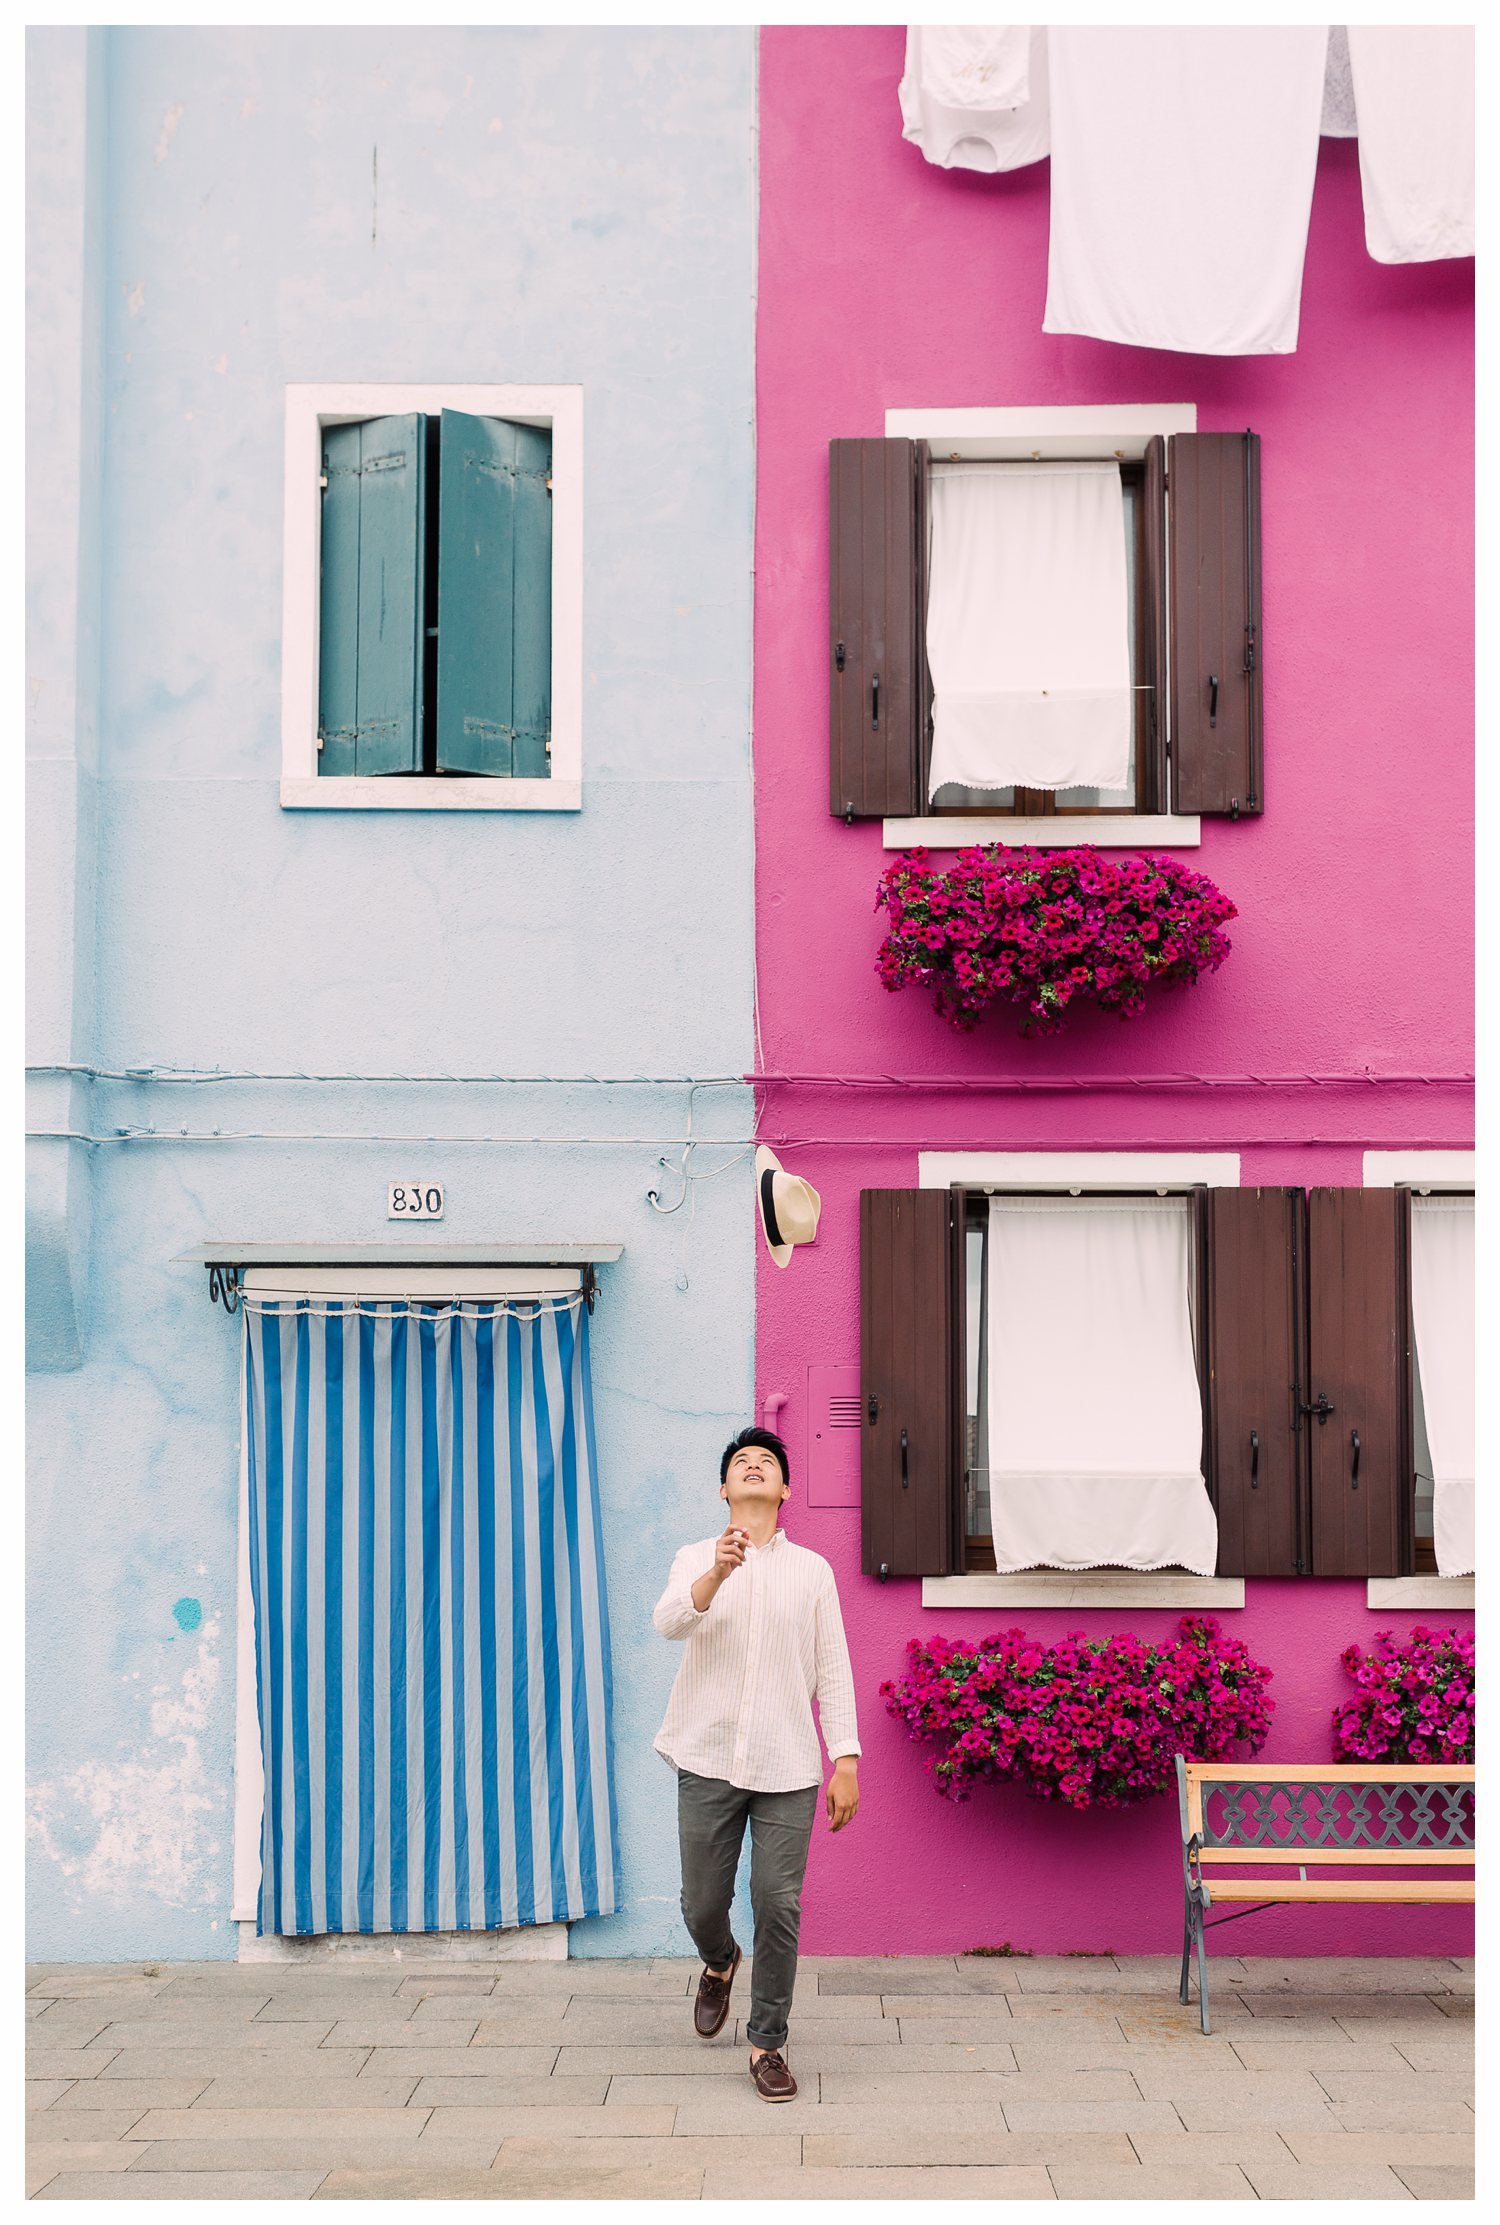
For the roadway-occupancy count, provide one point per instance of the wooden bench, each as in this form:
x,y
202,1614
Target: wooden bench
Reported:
x,y
1386,1820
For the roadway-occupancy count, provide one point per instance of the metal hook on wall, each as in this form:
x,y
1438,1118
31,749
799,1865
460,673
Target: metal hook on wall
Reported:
x,y
653,1196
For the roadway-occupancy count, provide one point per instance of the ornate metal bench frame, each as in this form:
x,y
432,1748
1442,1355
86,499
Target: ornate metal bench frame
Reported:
x,y
1388,1817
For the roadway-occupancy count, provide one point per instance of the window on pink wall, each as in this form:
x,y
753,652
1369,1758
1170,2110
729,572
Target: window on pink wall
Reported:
x,y
1309,1402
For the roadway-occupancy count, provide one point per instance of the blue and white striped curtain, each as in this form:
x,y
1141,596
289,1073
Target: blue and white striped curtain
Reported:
x,y
431,1634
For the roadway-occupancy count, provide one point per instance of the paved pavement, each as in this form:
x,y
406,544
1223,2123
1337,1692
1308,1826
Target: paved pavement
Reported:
x,y
1057,2077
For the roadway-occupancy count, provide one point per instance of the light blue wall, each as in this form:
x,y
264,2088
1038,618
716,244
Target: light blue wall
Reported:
x,y
552,206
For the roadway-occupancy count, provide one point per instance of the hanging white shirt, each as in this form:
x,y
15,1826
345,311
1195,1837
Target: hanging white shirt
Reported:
x,y
974,96
1414,93
770,1641
1182,178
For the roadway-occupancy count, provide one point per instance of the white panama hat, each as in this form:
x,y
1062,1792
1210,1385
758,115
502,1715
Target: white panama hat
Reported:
x,y
789,1207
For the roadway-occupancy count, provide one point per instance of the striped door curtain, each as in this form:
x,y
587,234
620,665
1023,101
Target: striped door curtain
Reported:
x,y
431,1634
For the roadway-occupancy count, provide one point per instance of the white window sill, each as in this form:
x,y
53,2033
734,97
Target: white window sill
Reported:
x,y
1109,830
1419,1591
1100,1587
451,792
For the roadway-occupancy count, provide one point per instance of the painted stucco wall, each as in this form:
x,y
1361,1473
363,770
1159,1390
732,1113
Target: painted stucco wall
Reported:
x,y
552,206
886,283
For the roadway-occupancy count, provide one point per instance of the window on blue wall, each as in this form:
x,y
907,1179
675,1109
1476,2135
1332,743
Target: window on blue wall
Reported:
x,y
435,597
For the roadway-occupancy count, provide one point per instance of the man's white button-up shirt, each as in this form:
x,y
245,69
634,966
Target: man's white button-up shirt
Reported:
x,y
770,1641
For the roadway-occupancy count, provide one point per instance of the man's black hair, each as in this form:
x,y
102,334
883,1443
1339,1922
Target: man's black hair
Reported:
x,y
768,1441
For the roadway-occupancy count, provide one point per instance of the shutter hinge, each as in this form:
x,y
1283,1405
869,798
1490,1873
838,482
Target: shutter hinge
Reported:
x,y
838,656
874,1408
549,482
848,815
323,479
1234,807
320,741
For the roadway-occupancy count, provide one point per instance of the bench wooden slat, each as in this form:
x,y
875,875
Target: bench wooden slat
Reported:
x,y
1293,1855
1341,1889
1333,1773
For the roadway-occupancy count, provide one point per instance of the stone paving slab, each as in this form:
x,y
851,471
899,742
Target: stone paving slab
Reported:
x,y
1405,2088
515,2183
377,2032
278,2124
1057,2114
229,2091
1250,2143
994,2008
1317,2182
82,2124
206,2038
325,2152
185,2186
132,2093
1440,2111
922,2145
565,2122
1437,2182
1416,2008
333,2008
71,2063
45,2158
1184,2182
310,2065
1398,2146
744,2183
1350,1974
1321,2054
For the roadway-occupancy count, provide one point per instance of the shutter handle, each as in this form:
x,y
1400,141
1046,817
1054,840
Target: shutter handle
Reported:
x,y
875,701
1255,1459
1354,1471
1213,699
905,1478
838,656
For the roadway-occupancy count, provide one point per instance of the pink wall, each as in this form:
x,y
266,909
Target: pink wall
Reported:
x,y
886,283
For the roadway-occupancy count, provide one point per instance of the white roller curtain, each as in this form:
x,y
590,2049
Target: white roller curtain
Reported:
x,y
1442,1296
1028,626
1094,1409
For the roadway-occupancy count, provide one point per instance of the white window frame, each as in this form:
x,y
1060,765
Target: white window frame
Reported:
x,y
308,410
534,1942
1072,1173
1118,432
1436,1171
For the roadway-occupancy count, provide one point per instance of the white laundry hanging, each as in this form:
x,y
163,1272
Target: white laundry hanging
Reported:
x,y
1442,1300
1028,626
974,97
1182,176
1094,1410
1414,90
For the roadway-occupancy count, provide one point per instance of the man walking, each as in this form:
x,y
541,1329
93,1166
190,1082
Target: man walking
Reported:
x,y
764,1638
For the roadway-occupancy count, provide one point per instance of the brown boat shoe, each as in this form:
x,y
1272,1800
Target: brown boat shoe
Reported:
x,y
712,2003
773,2081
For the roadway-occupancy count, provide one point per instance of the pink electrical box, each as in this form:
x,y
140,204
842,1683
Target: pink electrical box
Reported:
x,y
833,1436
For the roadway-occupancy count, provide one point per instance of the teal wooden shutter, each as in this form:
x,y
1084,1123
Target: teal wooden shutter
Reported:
x,y
494,661
370,637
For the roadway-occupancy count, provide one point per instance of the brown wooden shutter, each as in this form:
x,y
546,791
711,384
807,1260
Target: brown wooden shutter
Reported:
x,y
1359,1343
877,613
1152,659
908,1382
1213,535
1256,1322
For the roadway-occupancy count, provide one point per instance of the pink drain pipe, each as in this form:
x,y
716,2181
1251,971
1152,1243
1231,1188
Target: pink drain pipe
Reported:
x,y
770,1409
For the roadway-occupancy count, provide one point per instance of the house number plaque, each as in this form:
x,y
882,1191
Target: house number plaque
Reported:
x,y
414,1201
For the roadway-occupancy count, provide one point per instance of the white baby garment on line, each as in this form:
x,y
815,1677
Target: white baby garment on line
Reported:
x,y
1414,90
1182,177
974,96
1028,637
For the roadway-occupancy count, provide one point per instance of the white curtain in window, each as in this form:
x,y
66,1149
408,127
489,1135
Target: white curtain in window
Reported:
x,y
1095,1414
1414,90
1182,176
1028,626
1442,1298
